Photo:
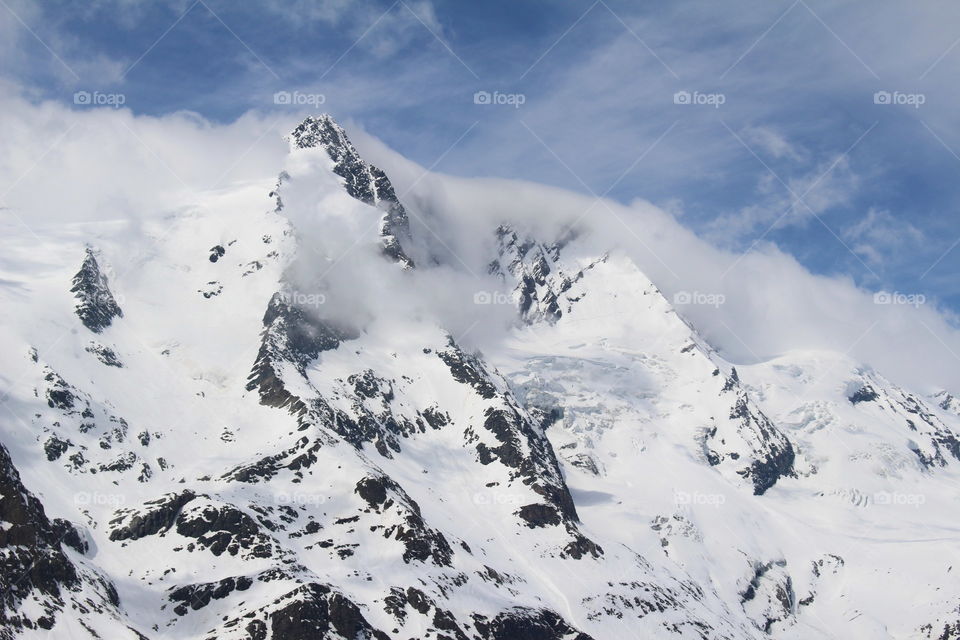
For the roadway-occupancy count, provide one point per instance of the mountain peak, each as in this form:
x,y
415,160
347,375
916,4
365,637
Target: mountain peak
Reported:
x,y
320,130
362,180
95,304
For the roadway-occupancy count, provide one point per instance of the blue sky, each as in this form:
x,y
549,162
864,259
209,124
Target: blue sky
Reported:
x,y
798,154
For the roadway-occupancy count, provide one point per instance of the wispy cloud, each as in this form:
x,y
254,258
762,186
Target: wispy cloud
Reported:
x,y
880,237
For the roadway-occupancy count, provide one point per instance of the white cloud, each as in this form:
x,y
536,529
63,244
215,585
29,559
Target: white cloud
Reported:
x,y
380,29
772,142
79,164
878,236
111,164
773,303
784,202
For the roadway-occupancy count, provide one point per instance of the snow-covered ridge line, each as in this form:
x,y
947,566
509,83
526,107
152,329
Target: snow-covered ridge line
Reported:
x,y
362,180
211,454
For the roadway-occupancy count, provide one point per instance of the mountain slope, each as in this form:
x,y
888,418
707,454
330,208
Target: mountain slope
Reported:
x,y
224,441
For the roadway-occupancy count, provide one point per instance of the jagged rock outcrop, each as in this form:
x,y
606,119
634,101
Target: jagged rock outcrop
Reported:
x,y
38,579
96,307
310,612
292,336
771,452
541,278
930,439
600,472
527,624
362,180
769,597
550,288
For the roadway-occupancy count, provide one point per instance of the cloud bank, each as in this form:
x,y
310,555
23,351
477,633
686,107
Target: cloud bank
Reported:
x,y
67,166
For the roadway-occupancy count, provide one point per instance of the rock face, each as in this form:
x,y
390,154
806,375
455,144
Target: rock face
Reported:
x,y
253,466
312,611
932,441
291,336
771,454
38,578
96,306
549,289
541,279
362,180
33,558
156,516
527,624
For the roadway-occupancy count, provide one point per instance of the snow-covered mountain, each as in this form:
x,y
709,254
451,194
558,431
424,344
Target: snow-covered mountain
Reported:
x,y
202,438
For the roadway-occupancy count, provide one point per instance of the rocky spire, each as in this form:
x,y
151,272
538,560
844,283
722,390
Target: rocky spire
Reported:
x,y
96,305
362,180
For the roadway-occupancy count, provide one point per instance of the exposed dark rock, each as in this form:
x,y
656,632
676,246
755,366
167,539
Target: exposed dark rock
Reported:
x,y
368,385
776,587
373,489
300,456
156,516
581,547
865,393
216,253
420,542
96,305
535,268
123,462
106,355
539,515
251,268
586,462
444,623
211,289
197,596
467,369
291,334
310,612
32,559
942,439
224,528
55,447
524,449
943,630
60,395
640,599
363,181
772,452
523,623
435,418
